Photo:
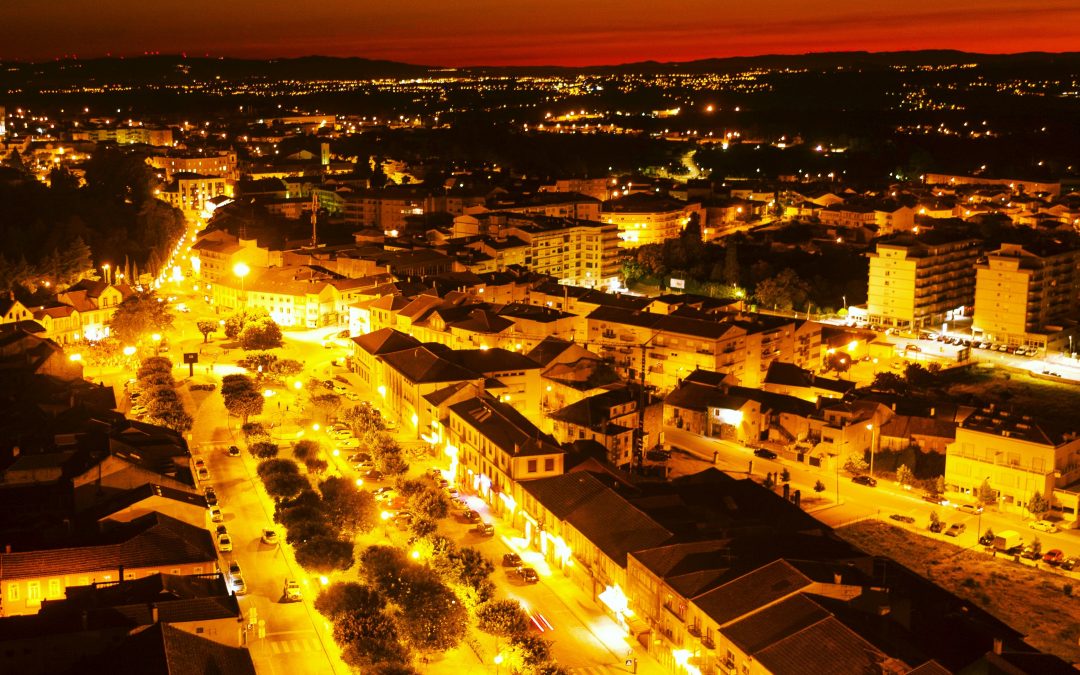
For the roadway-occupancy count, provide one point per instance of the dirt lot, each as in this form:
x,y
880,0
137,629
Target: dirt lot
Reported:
x,y
1036,603
1017,391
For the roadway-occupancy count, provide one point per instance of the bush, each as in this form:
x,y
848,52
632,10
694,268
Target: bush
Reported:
x,y
263,449
305,450
254,432
202,387
325,554
316,465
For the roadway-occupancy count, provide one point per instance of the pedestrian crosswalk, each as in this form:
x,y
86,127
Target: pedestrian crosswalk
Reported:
x,y
595,670
294,645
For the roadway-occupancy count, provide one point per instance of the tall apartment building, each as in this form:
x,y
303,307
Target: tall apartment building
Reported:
x,y
1024,293
649,219
126,135
921,282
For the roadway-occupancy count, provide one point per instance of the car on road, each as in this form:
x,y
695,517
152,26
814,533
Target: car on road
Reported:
x,y
238,585
234,568
955,530
1054,557
211,496
200,464
864,480
291,591
471,516
1043,526
269,537
224,542
233,451
511,560
484,529
527,575
1030,553
934,499
764,454
216,516
203,473
971,508
902,519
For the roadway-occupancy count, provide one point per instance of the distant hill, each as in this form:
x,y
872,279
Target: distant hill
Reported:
x,y
175,68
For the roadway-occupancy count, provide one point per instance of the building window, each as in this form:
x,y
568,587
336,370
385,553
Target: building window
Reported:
x,y
531,466
33,591
54,588
549,464
13,592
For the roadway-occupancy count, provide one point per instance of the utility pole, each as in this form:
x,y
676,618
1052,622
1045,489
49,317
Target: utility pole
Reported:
x,y
314,212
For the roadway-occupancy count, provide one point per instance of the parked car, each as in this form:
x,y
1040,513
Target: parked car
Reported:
x,y
484,529
211,496
1070,564
374,475
1043,526
203,473
402,519
658,455
986,540
363,466
472,516
291,591
216,516
234,569
1030,553
934,499
955,530
971,508
224,542
903,519
233,451
764,454
527,575
511,560
383,493
269,537
348,443
865,480
238,585
200,464
1054,557
360,457
452,492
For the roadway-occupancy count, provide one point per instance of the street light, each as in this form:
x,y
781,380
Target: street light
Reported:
x,y
873,433
241,270
105,269
156,337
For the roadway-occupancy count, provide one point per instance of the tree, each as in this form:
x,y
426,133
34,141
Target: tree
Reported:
x,y
283,486
473,568
263,333
783,291
1036,546
316,465
154,364
434,620
632,270
244,404
838,361
989,535
261,363
381,566
819,487
785,475
236,383
235,323
362,626
286,367
935,519
939,485
1038,505
855,463
328,404
306,449
529,650
904,475
207,328
429,504
730,275
364,419
176,419
325,554
263,449
986,493
502,618
353,510
139,315
889,383
423,527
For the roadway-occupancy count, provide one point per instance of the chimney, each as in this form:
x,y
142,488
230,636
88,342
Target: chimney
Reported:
x,y
837,578
154,614
999,646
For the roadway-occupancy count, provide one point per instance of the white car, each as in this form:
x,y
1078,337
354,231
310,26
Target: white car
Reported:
x,y
349,443
224,542
216,516
1043,526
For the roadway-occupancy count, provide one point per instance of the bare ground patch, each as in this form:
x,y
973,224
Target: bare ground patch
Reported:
x,y
1042,605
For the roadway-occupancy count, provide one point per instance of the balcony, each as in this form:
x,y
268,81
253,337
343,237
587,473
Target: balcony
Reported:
x,y
708,643
675,613
694,630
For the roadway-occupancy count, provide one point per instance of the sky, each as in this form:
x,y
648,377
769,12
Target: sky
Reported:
x,y
529,32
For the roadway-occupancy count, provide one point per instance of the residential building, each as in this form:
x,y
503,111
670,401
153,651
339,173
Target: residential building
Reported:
x,y
192,193
96,302
13,311
494,449
1016,456
146,546
649,219
609,419
921,282
215,255
1024,295
221,163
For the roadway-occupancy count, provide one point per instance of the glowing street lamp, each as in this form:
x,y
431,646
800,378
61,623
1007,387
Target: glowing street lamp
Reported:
x,y
241,270
156,337
105,269
129,351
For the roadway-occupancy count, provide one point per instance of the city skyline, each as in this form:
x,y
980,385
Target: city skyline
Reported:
x,y
561,34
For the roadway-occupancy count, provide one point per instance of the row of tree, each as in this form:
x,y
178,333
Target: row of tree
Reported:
x,y
242,398
158,395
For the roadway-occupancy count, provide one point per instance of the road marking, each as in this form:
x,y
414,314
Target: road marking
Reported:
x,y
275,648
